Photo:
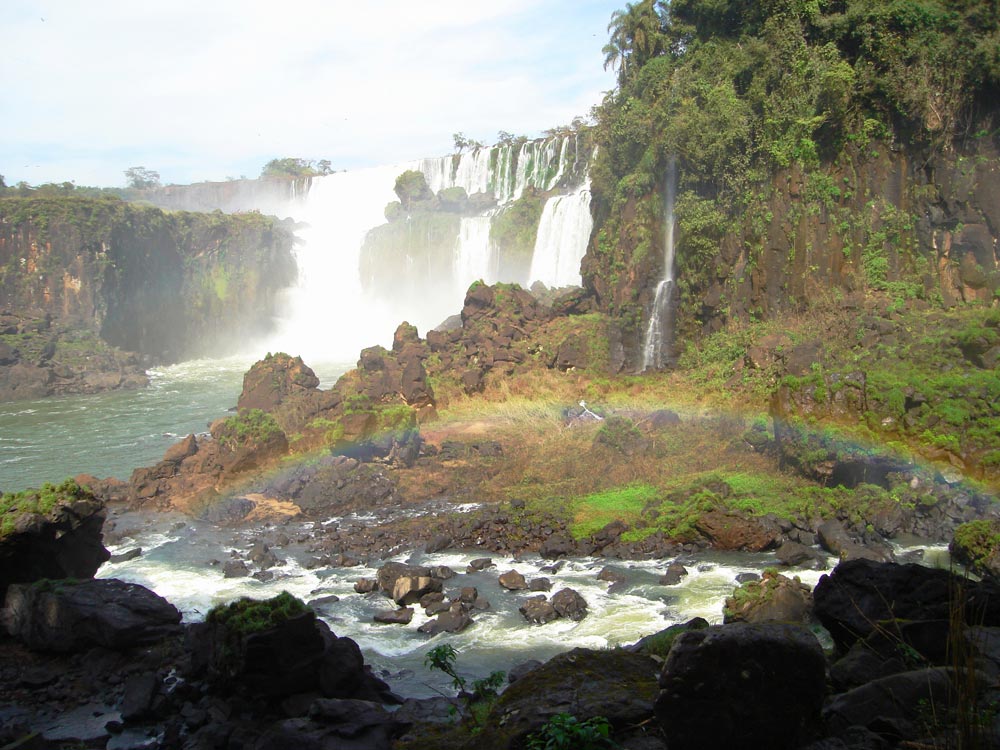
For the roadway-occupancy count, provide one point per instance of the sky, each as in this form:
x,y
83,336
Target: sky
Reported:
x,y
213,89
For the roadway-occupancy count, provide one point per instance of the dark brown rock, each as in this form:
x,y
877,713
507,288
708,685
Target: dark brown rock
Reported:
x,y
769,677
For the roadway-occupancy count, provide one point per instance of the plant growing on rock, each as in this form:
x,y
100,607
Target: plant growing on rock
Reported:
x,y
13,505
566,732
484,691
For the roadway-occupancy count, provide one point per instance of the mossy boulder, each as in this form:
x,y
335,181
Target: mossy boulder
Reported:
x,y
618,685
52,532
276,647
772,598
977,546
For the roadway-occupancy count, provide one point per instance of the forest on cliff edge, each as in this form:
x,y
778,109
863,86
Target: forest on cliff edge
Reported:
x,y
739,90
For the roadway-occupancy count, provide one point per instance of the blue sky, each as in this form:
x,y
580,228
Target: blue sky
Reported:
x,y
210,89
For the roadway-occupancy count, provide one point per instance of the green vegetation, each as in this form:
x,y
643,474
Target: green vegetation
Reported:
x,y
14,505
484,691
592,513
252,428
411,187
293,168
736,92
141,178
977,544
513,231
566,732
246,616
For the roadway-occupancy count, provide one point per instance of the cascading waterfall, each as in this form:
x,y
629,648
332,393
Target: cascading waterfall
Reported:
x,y
563,234
659,332
333,313
328,317
474,258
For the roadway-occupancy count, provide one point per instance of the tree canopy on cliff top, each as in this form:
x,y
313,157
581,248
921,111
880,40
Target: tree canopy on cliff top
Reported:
x,y
736,88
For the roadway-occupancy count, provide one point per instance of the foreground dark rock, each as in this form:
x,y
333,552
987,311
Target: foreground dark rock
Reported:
x,y
618,685
74,615
742,685
64,542
860,594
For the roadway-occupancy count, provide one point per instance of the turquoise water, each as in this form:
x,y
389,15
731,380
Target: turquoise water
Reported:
x,y
110,434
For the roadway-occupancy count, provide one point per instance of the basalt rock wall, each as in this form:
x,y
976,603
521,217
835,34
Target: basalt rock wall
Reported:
x,y
169,285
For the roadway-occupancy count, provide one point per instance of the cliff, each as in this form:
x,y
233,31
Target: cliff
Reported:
x,y
162,284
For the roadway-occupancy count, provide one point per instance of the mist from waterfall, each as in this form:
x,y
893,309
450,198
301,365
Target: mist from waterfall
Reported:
x,y
329,316
657,349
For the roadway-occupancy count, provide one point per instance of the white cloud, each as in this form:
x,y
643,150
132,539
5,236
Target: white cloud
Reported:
x,y
213,88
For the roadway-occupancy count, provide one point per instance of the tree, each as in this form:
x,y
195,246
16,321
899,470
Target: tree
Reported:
x,y
141,178
323,167
411,186
636,37
288,167
463,142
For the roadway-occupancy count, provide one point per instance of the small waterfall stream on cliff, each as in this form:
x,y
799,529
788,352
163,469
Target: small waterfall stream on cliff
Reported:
x,y
474,257
656,351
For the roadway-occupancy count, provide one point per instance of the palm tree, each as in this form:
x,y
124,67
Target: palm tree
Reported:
x,y
636,37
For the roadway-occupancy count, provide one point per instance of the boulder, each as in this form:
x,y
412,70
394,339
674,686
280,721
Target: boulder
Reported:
x,y
408,589
387,574
401,616
455,620
835,539
674,574
773,598
729,531
65,542
513,581
742,685
793,554
619,685
896,701
74,615
569,604
296,653
538,610
859,594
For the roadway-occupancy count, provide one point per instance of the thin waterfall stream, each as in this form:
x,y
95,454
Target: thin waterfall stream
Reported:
x,y
658,347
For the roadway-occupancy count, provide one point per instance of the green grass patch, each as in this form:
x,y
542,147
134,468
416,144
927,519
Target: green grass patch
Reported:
x,y
592,513
41,501
246,616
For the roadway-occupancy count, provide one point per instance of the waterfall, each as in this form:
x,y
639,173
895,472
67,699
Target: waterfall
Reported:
x,y
473,253
659,332
563,234
327,316
422,269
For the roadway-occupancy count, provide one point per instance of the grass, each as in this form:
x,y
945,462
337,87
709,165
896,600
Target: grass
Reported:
x,y
592,513
246,616
13,505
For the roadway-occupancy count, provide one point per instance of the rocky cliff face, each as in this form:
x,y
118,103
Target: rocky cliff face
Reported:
x,y
166,285
273,196
881,218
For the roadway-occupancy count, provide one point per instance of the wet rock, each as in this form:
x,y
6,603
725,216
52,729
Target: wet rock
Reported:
x,y
513,581
442,572
235,569
228,510
408,589
540,584
773,598
618,685
401,616
569,604
468,594
140,689
438,543
365,585
388,573
858,594
538,610
455,620
131,554
480,563
793,554
74,615
674,574
612,575
729,531
770,679
835,539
